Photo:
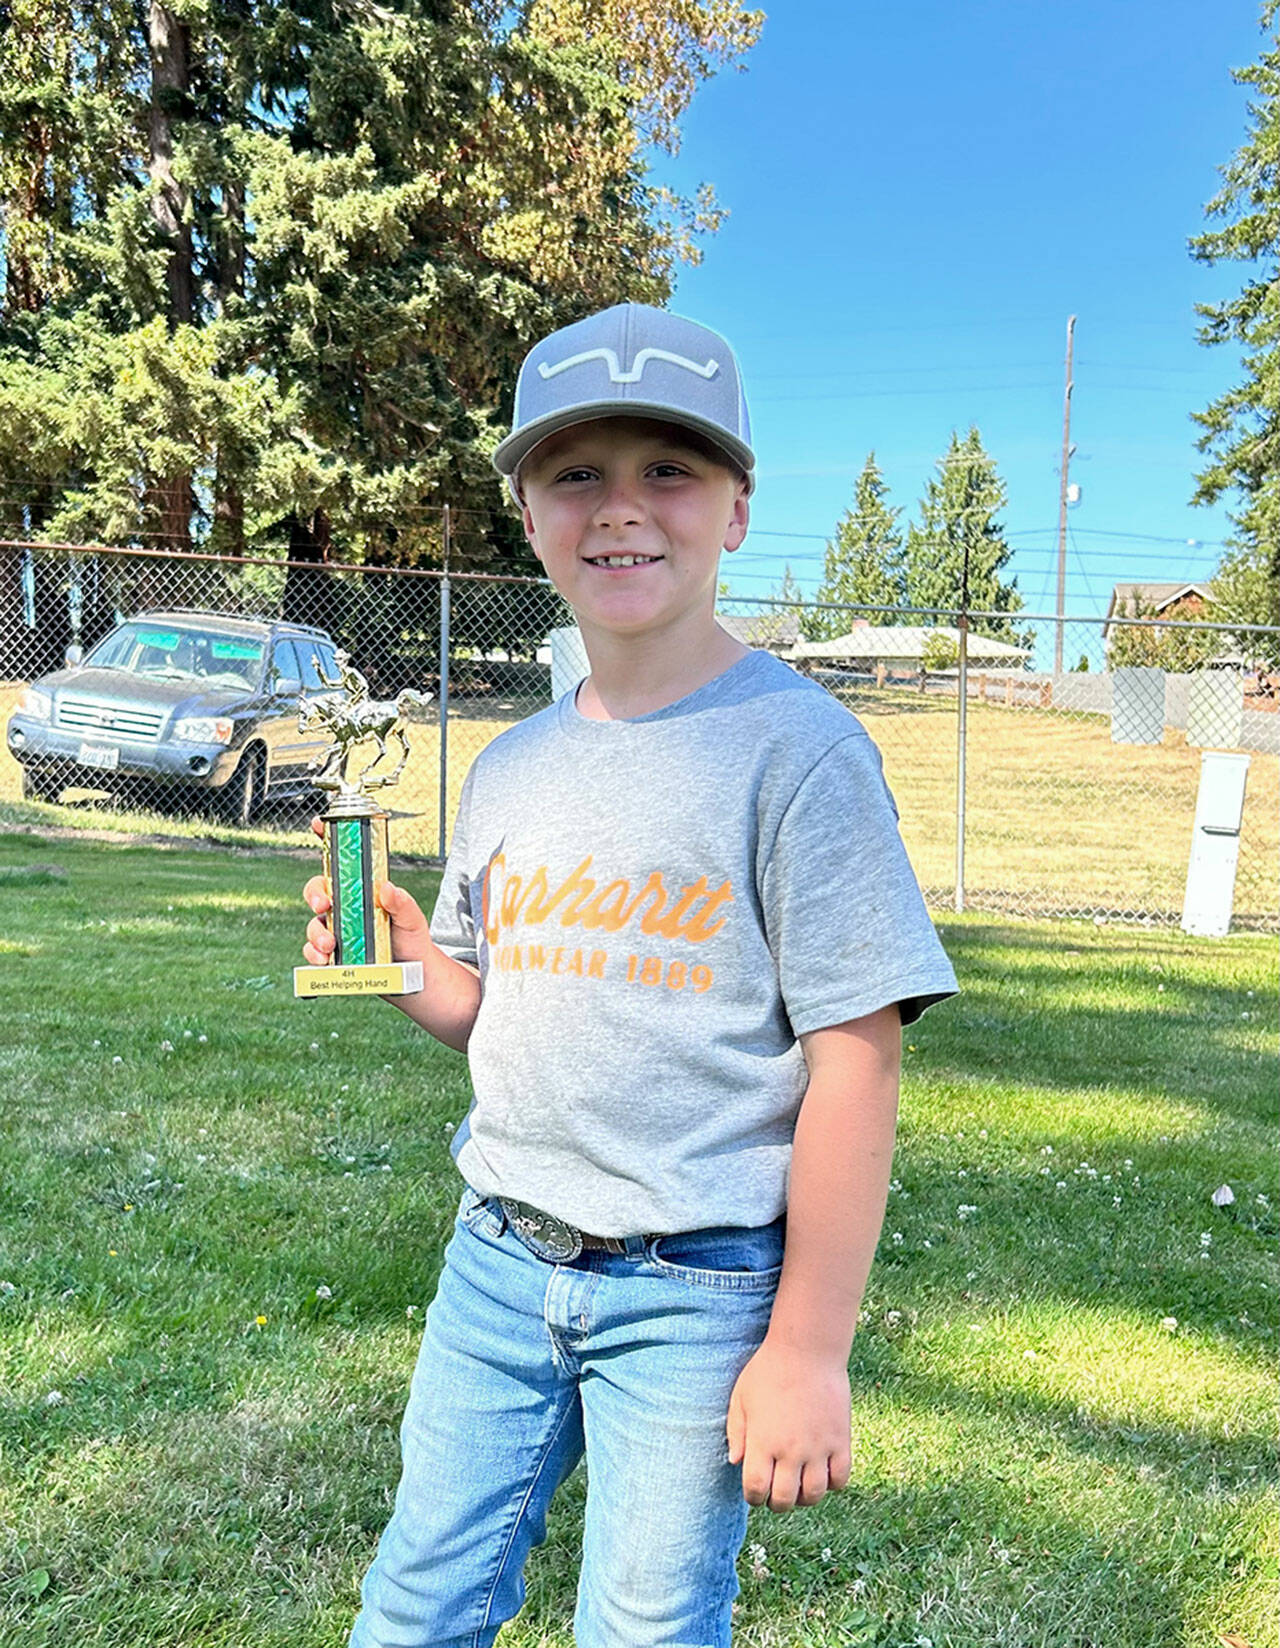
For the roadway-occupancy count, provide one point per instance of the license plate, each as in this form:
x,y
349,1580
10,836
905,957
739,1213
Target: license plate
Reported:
x,y
106,756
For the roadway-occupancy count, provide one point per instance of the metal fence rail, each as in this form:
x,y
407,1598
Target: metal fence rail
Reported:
x,y
1021,790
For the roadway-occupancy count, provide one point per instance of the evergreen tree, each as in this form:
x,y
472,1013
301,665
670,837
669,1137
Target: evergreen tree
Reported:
x,y
864,565
1241,429
958,533
270,267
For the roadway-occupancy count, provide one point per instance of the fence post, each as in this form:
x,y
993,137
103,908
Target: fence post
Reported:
x,y
962,683
444,687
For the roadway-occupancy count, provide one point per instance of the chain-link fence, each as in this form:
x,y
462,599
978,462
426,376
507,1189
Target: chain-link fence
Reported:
x,y
1021,790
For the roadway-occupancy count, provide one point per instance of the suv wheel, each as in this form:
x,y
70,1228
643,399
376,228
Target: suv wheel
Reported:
x,y
245,789
40,786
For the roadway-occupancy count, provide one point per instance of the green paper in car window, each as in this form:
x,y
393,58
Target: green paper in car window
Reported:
x,y
235,649
166,638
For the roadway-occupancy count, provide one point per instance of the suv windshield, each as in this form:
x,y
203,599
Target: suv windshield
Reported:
x,y
172,653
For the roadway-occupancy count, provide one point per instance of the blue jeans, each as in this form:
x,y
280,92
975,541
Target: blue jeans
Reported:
x,y
525,1365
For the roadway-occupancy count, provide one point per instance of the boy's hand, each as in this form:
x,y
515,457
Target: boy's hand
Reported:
x,y
788,1425
410,934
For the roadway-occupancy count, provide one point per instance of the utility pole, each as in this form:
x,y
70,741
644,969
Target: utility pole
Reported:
x,y
1062,501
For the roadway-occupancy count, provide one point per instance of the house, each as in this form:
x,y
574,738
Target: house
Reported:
x,y
899,648
1155,600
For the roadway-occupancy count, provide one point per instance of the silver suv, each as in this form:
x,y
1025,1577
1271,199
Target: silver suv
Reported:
x,y
192,701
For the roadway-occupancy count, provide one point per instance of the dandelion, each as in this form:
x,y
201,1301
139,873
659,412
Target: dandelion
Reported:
x,y
260,1321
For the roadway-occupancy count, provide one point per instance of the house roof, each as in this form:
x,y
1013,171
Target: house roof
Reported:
x,y
1158,596
774,627
905,641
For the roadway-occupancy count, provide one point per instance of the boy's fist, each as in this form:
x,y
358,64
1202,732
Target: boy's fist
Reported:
x,y
410,934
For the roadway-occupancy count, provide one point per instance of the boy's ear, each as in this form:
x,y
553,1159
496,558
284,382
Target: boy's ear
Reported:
x,y
736,531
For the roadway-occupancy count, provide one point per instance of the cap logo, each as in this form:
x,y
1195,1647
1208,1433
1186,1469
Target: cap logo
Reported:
x,y
617,375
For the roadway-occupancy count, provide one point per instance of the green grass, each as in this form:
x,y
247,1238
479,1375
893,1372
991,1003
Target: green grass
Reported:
x,y
1039,1459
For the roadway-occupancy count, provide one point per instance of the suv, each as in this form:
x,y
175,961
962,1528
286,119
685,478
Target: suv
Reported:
x,y
194,701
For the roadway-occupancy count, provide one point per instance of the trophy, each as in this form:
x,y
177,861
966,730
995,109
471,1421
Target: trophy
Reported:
x,y
355,834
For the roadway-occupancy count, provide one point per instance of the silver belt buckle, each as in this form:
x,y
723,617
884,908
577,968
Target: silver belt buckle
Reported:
x,y
542,1233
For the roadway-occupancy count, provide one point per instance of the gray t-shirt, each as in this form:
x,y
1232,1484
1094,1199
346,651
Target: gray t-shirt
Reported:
x,y
658,908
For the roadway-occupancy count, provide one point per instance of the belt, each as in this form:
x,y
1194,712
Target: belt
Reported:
x,y
552,1238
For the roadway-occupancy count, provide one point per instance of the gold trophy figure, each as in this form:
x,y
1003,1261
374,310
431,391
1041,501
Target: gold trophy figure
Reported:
x,y
355,834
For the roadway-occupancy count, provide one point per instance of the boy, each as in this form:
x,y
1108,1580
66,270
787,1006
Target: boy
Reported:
x,y
677,936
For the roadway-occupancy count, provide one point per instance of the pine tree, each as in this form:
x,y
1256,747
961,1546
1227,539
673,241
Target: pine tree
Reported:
x,y
1241,429
959,543
271,267
864,565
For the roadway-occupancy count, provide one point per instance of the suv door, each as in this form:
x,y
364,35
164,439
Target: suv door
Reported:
x,y
307,649
287,750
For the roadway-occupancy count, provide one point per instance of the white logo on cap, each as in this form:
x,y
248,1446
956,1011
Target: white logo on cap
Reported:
x,y
617,375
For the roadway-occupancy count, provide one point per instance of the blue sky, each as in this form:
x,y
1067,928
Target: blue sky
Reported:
x,y
919,197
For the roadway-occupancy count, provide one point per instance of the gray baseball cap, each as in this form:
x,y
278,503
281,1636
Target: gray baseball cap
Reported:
x,y
630,361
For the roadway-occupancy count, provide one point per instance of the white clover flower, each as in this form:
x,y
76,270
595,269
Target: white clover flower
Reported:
x,y
345,1088
333,1035
892,1318
97,1042
1062,1184
315,1047
1169,1323
1116,1201
202,1038
166,1047
826,1553
54,1399
928,1243
1206,1238
1223,1196
117,1059
897,1237
1028,1356
187,1033
7,1287
322,1292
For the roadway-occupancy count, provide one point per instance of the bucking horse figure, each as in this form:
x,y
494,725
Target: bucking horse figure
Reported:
x,y
347,712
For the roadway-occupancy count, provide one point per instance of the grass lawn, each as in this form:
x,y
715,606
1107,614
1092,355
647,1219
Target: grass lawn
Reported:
x,y
222,1214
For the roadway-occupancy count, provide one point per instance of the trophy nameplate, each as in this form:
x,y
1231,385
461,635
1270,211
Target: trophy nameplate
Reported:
x,y
354,849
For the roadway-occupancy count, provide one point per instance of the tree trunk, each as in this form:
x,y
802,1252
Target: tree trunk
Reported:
x,y
170,500
311,596
228,506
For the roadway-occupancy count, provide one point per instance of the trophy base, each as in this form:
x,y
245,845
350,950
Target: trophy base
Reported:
x,y
394,978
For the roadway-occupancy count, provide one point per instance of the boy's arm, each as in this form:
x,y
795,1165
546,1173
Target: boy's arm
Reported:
x,y
789,1414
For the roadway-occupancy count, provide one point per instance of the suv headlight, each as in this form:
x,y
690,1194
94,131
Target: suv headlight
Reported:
x,y
205,729
38,705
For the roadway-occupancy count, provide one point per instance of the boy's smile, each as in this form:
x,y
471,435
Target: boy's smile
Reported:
x,y
629,517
